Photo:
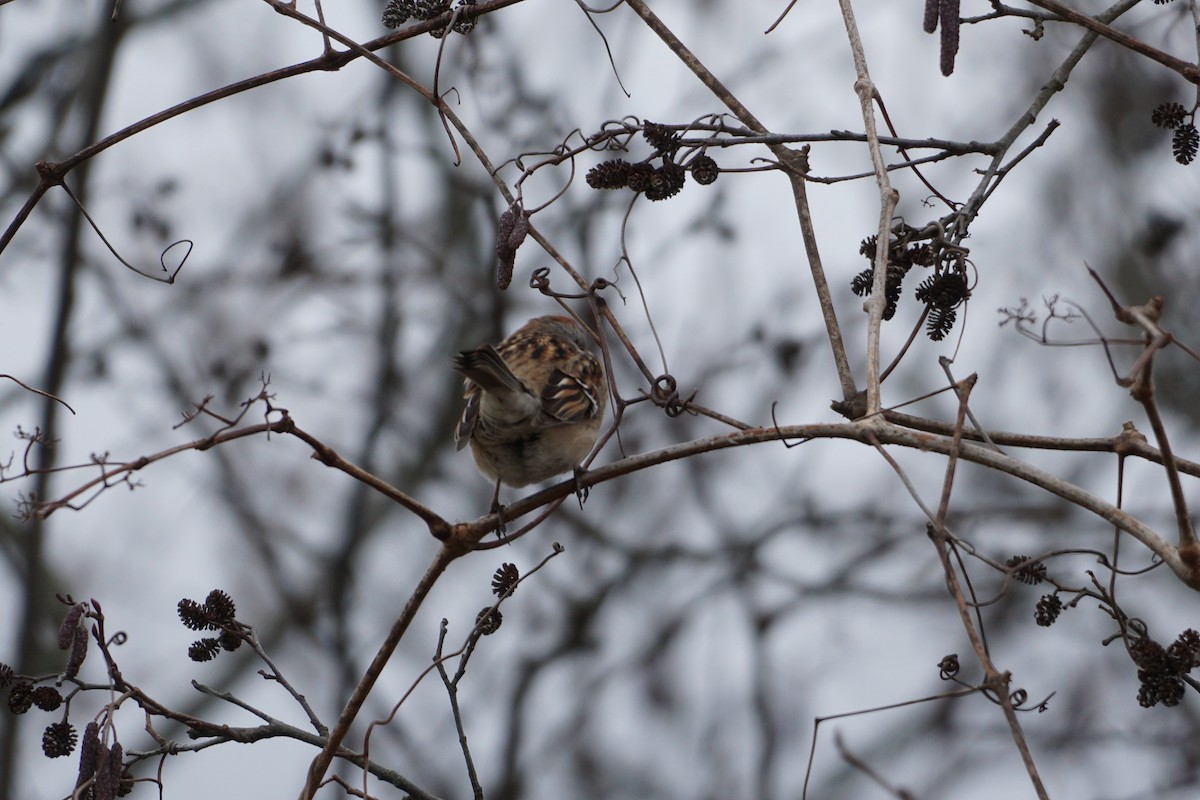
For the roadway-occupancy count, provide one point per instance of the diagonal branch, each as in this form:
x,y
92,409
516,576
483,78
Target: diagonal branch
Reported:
x,y
795,165
1189,72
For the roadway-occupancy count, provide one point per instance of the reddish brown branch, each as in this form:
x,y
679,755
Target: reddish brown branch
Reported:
x,y
438,526
1190,72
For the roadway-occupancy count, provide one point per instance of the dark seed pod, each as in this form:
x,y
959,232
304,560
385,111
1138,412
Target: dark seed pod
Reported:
x,y
1168,115
205,649
665,182
20,697
47,698
638,177
395,14
1184,143
661,138
220,608
429,9
1026,569
488,621
59,739
704,170
612,174
464,24
1047,611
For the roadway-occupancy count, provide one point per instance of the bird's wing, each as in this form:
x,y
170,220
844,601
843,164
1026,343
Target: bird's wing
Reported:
x,y
470,415
566,399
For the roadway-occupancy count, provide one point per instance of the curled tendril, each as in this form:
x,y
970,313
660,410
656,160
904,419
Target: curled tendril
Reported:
x,y
1020,697
1044,705
948,667
162,258
540,280
665,395
170,279
782,438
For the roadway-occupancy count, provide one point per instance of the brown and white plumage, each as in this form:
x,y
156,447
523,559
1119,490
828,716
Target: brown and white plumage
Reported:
x,y
534,403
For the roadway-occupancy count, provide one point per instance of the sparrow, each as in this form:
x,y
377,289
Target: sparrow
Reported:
x,y
534,403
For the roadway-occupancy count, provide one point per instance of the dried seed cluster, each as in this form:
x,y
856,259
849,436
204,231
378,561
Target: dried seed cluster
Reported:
x,y
504,583
59,739
488,621
1047,610
903,255
24,693
1026,569
655,182
1161,670
1185,140
398,12
102,772
216,613
505,579
942,292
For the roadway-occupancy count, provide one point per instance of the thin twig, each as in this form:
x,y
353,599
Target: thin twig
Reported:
x,y
456,713
277,676
29,388
795,166
317,769
818,721
995,680
862,766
